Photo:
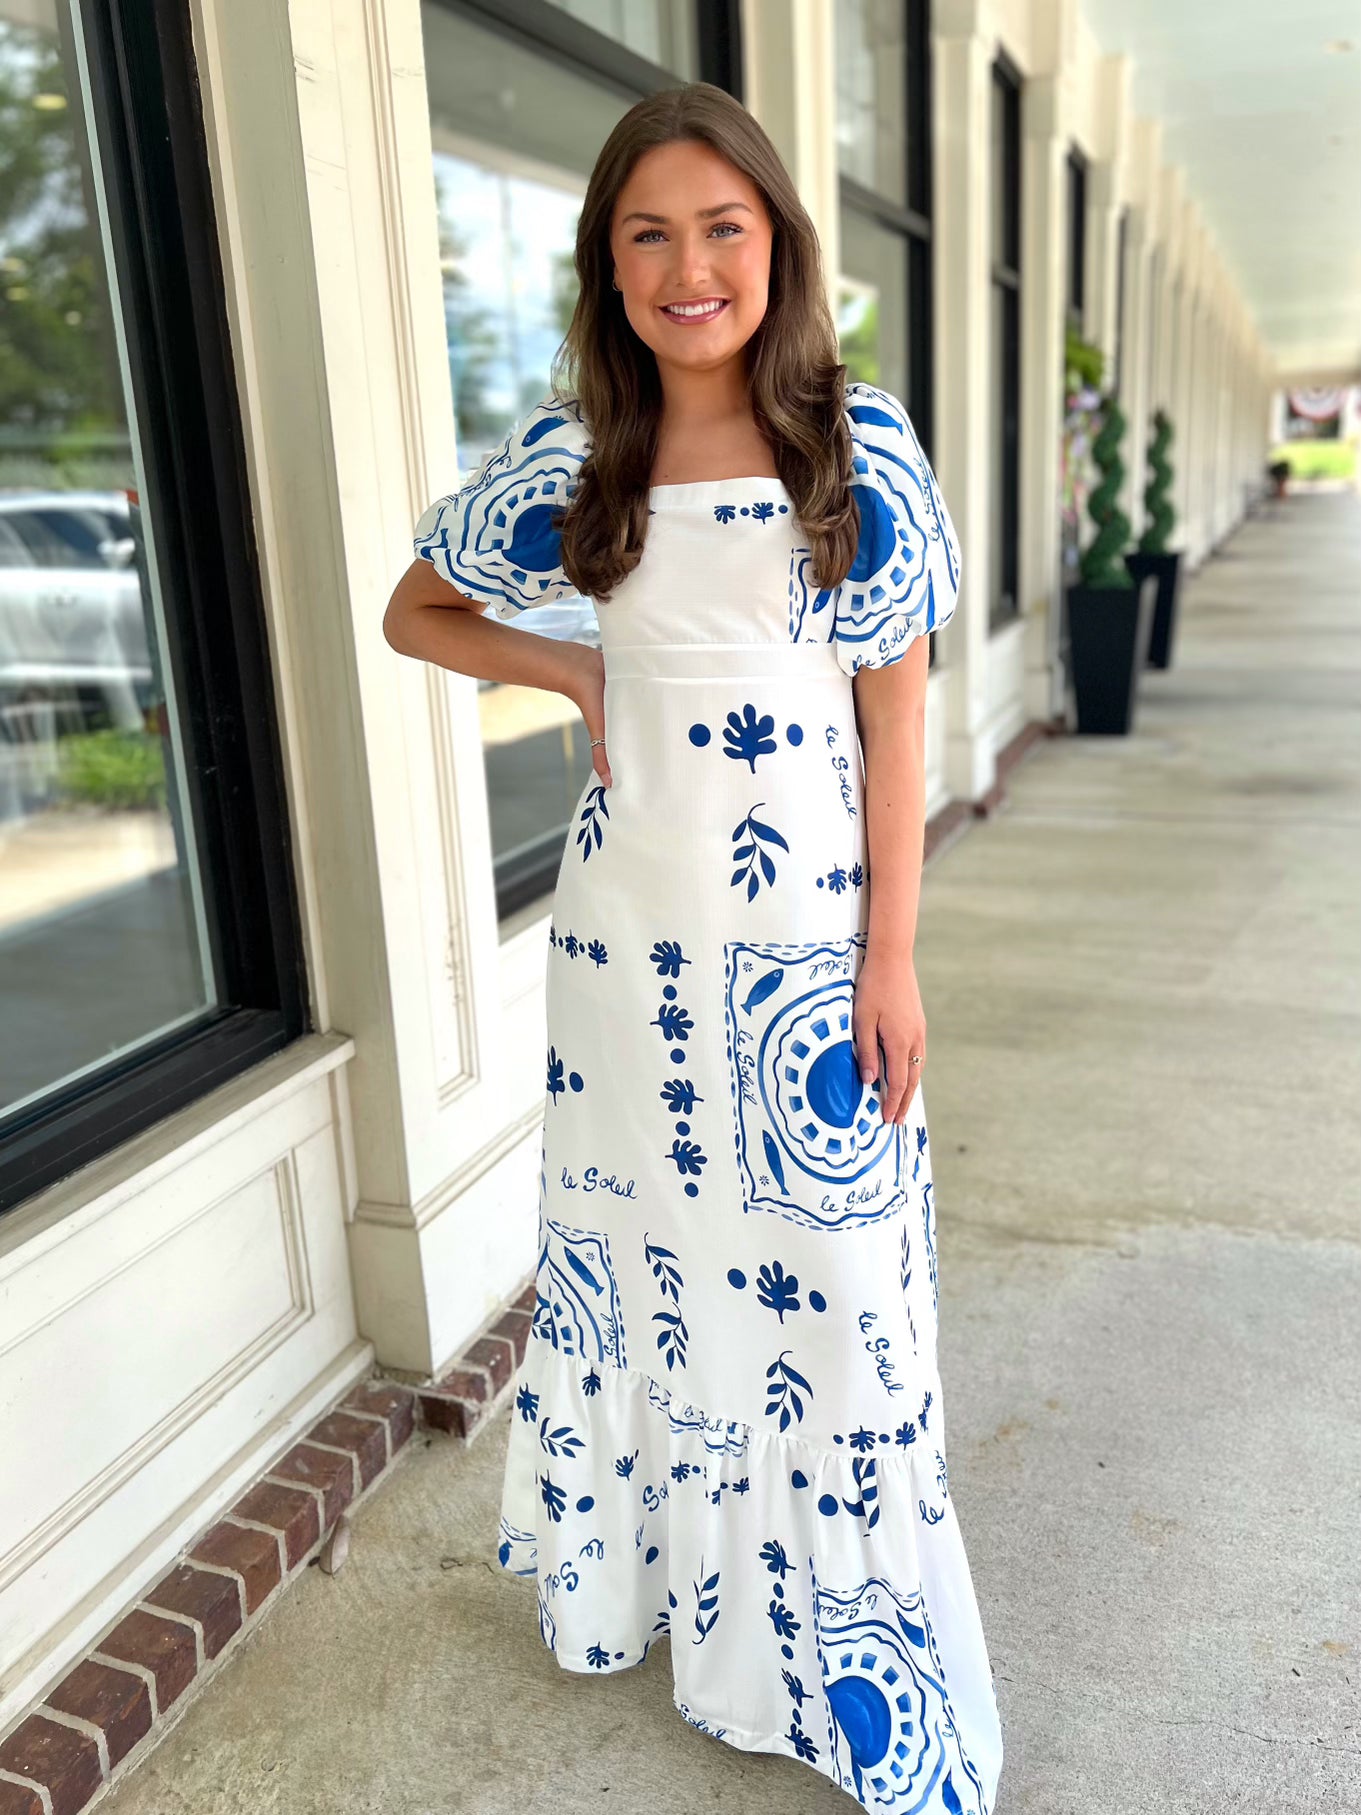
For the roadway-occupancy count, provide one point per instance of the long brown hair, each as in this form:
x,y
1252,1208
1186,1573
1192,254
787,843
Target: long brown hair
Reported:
x,y
796,381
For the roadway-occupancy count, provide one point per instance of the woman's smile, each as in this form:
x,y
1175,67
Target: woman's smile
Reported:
x,y
705,308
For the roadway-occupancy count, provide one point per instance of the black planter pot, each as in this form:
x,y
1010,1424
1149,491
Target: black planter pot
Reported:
x,y
1108,629
1166,569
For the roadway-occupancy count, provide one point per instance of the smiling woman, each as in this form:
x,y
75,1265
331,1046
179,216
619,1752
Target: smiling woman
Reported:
x,y
729,1427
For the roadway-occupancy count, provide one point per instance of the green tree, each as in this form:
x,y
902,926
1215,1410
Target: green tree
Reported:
x,y
1162,519
1103,558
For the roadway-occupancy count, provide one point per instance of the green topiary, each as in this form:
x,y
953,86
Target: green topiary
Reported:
x,y
1162,519
1102,563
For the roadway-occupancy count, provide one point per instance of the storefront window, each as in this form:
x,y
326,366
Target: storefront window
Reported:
x,y
883,291
104,940
515,130
149,942
872,103
662,31
872,304
1004,437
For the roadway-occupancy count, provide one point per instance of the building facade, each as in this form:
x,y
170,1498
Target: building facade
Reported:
x,y
274,900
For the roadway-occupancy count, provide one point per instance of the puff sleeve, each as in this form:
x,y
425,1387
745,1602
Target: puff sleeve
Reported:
x,y
904,579
494,538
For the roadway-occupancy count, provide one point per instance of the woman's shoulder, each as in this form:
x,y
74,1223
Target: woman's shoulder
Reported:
x,y
554,426
878,420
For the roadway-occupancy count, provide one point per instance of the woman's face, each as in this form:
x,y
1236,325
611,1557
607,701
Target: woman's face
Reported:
x,y
690,229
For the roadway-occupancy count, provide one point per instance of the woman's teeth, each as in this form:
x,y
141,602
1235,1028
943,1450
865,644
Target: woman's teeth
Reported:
x,y
694,311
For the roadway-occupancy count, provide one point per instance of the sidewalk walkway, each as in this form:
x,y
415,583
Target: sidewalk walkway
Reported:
x,y
1143,983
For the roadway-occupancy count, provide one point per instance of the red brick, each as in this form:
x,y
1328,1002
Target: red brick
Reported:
x,y
118,1701
514,1326
287,1509
472,1384
365,1441
394,1403
334,1475
254,1555
446,1412
494,1354
526,1299
199,1594
65,1762
16,1800
163,1647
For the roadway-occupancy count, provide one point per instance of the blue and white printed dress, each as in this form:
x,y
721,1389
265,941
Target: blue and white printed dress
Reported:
x,y
728,1428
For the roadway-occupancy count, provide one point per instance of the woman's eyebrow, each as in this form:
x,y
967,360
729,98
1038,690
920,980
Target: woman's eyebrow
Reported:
x,y
703,213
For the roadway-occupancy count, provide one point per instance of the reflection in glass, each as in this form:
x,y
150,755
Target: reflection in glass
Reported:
x,y
103,943
871,94
514,141
872,304
663,31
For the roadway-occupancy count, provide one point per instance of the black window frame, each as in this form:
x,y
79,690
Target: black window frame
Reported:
x,y
1075,297
1006,279
550,31
148,127
1118,363
912,221
553,34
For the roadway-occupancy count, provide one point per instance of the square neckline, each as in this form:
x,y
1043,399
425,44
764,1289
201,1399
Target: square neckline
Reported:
x,y
705,485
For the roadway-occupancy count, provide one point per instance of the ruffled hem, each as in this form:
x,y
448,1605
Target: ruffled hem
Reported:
x,y
819,1603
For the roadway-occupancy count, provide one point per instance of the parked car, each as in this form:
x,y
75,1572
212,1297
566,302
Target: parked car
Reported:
x,y
72,615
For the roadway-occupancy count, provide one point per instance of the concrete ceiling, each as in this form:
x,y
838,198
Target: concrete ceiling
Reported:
x,y
1260,102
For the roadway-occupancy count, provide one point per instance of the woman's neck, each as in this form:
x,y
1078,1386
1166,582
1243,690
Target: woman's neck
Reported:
x,y
707,428
698,402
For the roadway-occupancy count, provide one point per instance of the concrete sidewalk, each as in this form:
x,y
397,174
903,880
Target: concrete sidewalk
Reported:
x,y
1143,983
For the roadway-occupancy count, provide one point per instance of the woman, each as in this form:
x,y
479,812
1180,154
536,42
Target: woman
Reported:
x,y
728,1425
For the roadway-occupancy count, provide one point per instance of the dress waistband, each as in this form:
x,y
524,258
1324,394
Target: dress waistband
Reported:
x,y
722,661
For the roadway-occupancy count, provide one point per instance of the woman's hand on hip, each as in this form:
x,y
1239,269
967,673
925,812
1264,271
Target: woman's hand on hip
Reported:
x,y
887,1014
586,687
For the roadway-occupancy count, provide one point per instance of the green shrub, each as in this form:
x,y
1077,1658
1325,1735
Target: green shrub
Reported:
x,y
111,769
1103,563
1318,459
1162,519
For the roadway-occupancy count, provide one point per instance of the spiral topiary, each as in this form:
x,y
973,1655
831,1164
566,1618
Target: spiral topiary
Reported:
x,y
1102,560
1162,519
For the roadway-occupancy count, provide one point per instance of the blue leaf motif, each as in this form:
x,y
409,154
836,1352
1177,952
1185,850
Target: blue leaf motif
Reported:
x,y
746,854
706,1602
674,1022
589,836
748,737
666,954
784,1379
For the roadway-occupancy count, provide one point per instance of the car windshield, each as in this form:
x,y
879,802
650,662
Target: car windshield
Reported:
x,y
63,535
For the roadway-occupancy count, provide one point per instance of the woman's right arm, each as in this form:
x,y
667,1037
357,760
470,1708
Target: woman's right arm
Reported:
x,y
431,620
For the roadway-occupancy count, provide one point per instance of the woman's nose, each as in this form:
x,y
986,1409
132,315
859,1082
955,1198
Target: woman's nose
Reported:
x,y
692,263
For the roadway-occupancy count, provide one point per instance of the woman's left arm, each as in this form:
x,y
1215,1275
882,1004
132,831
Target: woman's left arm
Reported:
x,y
890,707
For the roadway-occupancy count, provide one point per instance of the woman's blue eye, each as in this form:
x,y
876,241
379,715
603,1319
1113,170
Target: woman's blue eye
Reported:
x,y
640,238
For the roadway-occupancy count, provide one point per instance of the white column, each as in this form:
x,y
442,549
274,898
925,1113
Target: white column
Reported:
x,y
962,98
446,1090
1134,370
789,54
1044,252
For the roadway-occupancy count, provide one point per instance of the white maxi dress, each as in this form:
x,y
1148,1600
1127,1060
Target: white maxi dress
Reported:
x,y
728,1428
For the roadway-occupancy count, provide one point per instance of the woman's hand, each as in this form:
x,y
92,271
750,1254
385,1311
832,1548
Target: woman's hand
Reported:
x,y
887,1012
586,688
